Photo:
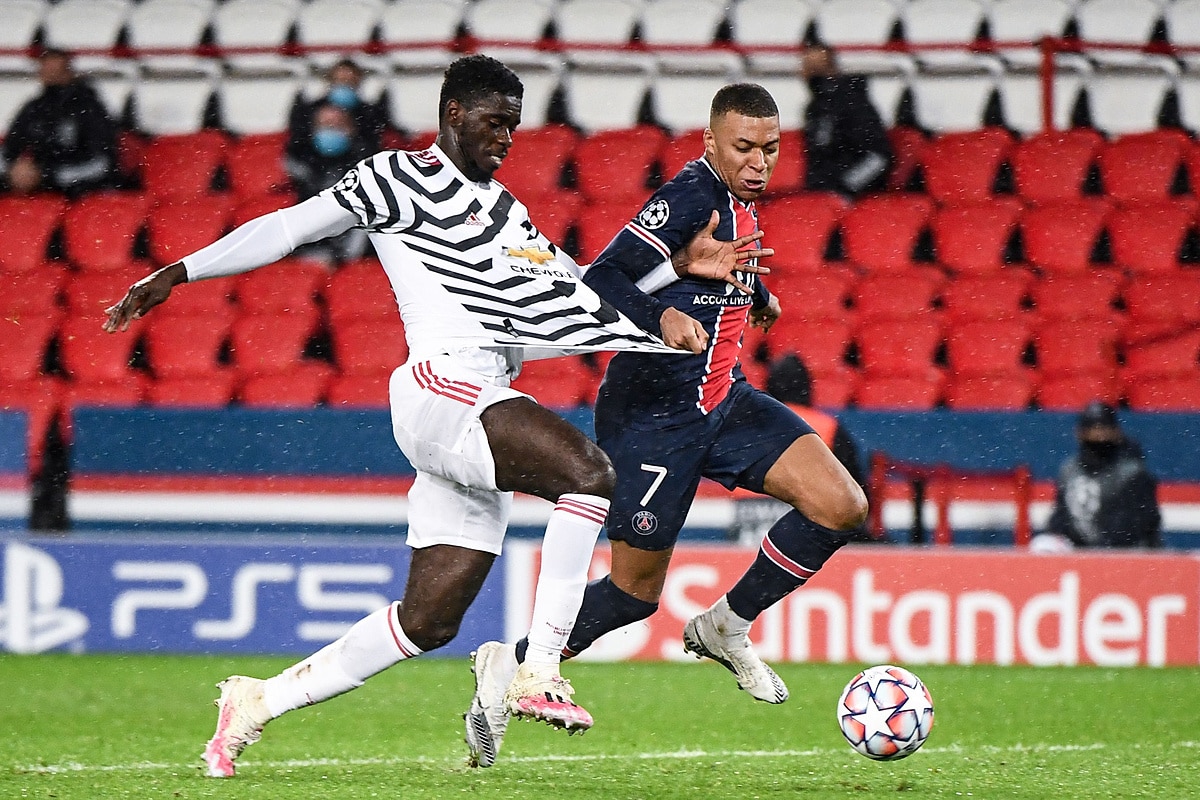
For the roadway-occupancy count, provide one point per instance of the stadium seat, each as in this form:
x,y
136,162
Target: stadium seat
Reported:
x,y
1010,391
819,296
510,21
95,394
211,298
1071,392
90,354
186,346
1091,295
15,92
26,227
359,290
370,347
347,24
821,343
789,22
682,22
974,298
679,150
855,22
1124,102
962,167
987,347
595,21
900,392
358,391
169,25
31,294
40,399
1182,21
607,97
598,224
1021,98
895,296
22,19
556,383
100,230
1142,167
257,103
413,99
23,346
1167,393
943,22
834,389
1161,304
92,25
788,176
1169,355
612,166
1149,238
534,167
289,286
895,347
799,228
170,104
182,166
210,391
254,165
180,227
301,386
972,239
408,22
880,233
555,213
88,294
1051,167
254,23
260,205
265,344
1059,237
1027,21
1068,347
673,96
949,102
908,148
1127,22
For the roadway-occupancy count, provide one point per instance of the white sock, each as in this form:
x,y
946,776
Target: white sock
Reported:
x,y
728,622
567,549
373,644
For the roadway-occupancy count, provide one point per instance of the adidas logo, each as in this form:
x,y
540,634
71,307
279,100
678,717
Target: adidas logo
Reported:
x,y
474,220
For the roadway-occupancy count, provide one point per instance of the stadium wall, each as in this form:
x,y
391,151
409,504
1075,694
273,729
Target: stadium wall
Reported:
x,y
15,486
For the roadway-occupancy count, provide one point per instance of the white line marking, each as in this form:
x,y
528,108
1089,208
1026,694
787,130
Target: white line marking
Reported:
x,y
677,755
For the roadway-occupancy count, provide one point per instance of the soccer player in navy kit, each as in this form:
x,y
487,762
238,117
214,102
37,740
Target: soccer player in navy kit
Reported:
x,y
668,420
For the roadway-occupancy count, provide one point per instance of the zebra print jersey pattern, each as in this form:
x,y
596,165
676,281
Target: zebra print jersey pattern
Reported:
x,y
468,266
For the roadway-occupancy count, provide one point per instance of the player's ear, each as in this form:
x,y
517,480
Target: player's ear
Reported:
x,y
453,113
710,143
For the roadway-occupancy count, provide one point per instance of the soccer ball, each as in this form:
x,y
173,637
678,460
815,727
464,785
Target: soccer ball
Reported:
x,y
885,713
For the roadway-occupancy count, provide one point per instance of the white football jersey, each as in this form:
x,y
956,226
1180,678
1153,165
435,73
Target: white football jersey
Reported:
x,y
469,269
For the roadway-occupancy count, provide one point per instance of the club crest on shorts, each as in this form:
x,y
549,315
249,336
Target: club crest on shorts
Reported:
x,y
645,523
654,215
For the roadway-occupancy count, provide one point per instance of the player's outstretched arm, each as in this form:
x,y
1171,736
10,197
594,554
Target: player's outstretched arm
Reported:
x,y
143,296
708,257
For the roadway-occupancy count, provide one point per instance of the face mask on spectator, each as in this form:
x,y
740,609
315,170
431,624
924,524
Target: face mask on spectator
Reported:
x,y
342,95
331,141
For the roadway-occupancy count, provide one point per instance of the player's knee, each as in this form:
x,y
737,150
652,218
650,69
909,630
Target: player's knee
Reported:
x,y
851,509
429,632
595,476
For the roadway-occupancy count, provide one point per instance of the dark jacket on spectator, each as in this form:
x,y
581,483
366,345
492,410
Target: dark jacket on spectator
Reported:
x,y
845,146
68,132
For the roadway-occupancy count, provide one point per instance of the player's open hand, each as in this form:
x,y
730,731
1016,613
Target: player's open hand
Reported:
x,y
682,332
143,296
708,257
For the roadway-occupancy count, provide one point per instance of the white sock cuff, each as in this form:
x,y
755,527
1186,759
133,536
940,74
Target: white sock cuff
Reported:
x,y
590,507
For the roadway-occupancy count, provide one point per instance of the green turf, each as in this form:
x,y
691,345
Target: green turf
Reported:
x,y
111,726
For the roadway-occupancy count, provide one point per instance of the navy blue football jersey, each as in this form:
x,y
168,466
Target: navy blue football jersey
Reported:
x,y
676,388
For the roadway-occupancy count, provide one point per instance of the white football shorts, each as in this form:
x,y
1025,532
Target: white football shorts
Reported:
x,y
436,403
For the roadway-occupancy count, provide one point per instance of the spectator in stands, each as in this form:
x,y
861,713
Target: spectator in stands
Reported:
x,y
345,81
845,146
63,139
1104,494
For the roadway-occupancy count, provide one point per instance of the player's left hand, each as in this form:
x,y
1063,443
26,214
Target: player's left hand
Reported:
x,y
708,257
765,317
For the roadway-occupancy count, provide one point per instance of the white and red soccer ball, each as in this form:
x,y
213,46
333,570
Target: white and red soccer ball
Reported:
x,y
885,713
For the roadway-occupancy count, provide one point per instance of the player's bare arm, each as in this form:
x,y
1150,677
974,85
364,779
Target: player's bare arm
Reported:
x,y
682,332
766,316
143,296
709,257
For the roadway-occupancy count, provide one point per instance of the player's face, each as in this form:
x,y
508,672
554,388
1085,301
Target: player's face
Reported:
x,y
743,150
483,133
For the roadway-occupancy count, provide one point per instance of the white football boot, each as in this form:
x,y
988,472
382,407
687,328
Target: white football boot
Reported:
x,y
494,665
538,692
241,716
705,636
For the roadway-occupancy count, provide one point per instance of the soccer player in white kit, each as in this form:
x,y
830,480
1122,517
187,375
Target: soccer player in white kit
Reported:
x,y
468,270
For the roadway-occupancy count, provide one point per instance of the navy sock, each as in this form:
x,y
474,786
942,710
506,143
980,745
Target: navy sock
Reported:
x,y
791,553
605,608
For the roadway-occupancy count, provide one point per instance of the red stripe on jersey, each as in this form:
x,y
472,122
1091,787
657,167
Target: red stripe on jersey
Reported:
x,y
649,238
783,562
591,513
465,393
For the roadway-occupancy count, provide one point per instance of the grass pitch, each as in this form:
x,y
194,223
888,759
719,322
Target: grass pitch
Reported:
x,y
134,726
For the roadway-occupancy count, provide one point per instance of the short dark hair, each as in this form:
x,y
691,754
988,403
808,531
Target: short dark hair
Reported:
x,y
474,78
748,99
348,63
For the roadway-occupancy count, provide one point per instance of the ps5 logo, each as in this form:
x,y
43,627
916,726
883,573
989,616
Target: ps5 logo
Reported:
x,y
31,619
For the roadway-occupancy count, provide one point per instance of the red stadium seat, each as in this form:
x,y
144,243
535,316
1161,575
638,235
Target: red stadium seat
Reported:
x,y
208,391
614,166
554,214
998,296
895,296
359,290
834,389
821,343
818,298
987,348
370,347
23,346
880,233
100,230
788,176
289,286
1071,392
799,228
261,205
358,391
1191,163
908,148
31,293
1072,297
1059,237
90,293
1177,393
598,224
209,297
1177,354
1076,346
556,382
962,167
1149,238
255,165
183,166
1012,391
534,167
900,392
186,346
90,354
971,239
1141,167
40,399
182,226
302,386
265,344
898,347
125,392
26,225
681,149
1052,167
1159,304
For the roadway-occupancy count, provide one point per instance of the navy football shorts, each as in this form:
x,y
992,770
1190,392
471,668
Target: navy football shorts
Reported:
x,y
659,469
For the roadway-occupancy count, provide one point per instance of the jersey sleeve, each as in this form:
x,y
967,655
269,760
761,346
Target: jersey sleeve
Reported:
x,y
638,259
370,192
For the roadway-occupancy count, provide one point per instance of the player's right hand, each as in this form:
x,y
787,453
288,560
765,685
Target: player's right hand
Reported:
x,y
682,332
143,296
